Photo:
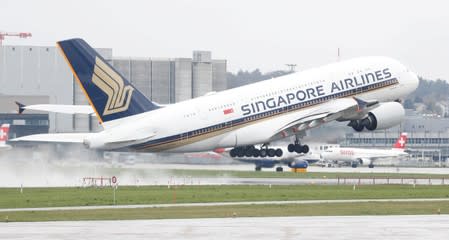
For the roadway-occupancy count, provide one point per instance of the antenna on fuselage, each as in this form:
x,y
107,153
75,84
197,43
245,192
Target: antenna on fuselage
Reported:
x,y
291,67
338,54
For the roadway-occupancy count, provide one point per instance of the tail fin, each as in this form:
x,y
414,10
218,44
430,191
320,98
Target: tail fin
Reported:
x,y
109,93
400,143
21,107
4,130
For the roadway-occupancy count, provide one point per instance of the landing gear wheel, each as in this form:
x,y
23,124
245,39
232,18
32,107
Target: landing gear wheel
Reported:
x,y
357,125
298,148
279,169
258,168
291,147
256,153
271,152
278,152
371,165
233,153
263,152
240,152
305,149
249,153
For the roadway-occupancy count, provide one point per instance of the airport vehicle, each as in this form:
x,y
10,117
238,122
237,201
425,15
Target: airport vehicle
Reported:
x,y
291,159
4,130
366,156
366,92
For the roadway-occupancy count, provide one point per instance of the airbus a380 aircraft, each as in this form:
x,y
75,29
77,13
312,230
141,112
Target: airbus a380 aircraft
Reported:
x,y
364,91
356,156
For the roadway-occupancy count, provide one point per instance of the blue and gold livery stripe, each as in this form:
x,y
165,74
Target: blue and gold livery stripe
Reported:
x,y
190,137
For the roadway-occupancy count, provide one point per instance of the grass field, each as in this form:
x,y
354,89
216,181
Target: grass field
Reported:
x,y
125,195
328,209
272,174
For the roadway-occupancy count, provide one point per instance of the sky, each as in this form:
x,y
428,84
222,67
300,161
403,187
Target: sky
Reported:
x,y
249,34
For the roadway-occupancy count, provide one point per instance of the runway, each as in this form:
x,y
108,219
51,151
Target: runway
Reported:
x,y
316,228
44,174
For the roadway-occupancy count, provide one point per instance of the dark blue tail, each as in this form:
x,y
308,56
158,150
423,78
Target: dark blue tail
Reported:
x,y
108,92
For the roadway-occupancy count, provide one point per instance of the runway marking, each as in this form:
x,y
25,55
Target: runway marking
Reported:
x,y
222,204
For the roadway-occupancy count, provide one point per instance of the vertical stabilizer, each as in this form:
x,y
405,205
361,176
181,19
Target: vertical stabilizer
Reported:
x,y
109,93
400,143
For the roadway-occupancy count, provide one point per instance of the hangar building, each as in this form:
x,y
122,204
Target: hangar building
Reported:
x,y
36,74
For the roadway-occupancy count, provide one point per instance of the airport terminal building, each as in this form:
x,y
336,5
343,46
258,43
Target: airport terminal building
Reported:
x,y
39,75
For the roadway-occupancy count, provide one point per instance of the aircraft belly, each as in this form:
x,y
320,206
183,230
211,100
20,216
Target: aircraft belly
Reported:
x,y
220,141
260,132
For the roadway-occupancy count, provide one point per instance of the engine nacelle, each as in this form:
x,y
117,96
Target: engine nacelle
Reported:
x,y
385,116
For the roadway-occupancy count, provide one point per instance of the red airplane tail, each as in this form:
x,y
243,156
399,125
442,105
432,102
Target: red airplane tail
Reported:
x,y
4,129
400,143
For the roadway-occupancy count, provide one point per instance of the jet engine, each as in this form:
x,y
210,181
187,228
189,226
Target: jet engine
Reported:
x,y
385,116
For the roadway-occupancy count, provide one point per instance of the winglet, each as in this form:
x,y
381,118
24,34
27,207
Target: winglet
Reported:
x,y
21,107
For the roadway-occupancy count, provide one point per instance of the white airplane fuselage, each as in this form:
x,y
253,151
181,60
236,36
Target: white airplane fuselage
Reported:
x,y
254,113
366,155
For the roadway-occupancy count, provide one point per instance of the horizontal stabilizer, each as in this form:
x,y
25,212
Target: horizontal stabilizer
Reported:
x,y
55,137
21,107
57,108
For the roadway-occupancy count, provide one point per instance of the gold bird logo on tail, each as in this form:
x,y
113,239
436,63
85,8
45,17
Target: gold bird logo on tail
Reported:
x,y
119,95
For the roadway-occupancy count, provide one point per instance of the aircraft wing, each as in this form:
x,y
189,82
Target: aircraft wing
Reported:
x,y
341,109
374,158
55,137
57,108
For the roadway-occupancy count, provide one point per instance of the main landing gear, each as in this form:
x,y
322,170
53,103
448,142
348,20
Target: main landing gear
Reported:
x,y
251,151
298,148
264,151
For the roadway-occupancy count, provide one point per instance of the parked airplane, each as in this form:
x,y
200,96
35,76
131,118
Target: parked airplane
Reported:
x,y
366,156
365,92
4,130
